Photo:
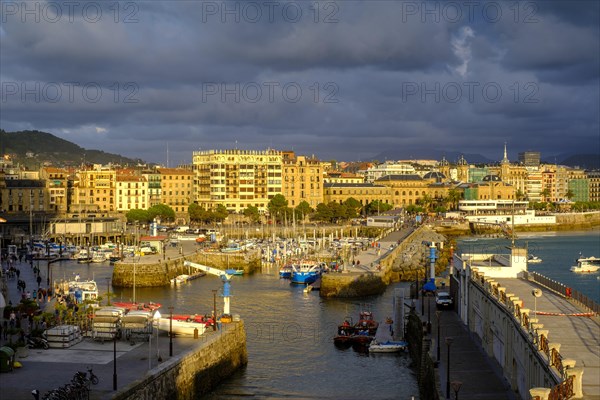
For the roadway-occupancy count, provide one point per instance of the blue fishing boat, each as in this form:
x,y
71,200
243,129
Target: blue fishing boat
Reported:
x,y
285,272
306,272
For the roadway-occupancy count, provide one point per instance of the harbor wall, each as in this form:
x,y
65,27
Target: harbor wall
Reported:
x,y
193,374
160,272
401,264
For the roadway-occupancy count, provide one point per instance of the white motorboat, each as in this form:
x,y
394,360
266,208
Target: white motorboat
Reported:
x,y
534,259
586,264
387,347
181,327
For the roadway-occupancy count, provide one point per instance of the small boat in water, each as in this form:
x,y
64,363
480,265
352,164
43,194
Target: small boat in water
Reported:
x,y
586,264
185,324
387,347
285,272
534,259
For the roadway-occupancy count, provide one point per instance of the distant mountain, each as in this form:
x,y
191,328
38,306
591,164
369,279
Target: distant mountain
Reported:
x,y
451,156
35,148
585,161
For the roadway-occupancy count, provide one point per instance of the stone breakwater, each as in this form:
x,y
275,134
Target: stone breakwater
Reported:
x,y
192,374
406,262
160,272
413,257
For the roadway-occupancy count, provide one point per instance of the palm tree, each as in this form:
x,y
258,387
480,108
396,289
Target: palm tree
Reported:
x,y
545,194
453,197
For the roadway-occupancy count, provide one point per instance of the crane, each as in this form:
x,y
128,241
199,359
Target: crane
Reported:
x,y
225,278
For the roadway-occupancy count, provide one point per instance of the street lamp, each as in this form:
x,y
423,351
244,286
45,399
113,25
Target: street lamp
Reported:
x,y
456,388
428,314
438,314
536,293
214,309
115,361
449,341
171,332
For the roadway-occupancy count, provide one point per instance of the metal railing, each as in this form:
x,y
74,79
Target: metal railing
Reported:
x,y
565,291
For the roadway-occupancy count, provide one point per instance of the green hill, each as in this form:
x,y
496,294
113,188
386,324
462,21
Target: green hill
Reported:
x,y
51,150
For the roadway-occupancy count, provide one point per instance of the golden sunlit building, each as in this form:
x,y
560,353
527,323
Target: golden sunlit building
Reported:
x,y
57,185
302,179
237,178
132,192
176,190
365,193
95,188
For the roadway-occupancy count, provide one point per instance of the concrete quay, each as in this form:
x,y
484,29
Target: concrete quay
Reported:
x,y
481,378
142,365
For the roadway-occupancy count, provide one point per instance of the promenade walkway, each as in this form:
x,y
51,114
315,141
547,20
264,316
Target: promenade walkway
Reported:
x,y
481,377
579,336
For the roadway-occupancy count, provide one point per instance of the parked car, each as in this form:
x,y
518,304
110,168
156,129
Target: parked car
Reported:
x,y
443,300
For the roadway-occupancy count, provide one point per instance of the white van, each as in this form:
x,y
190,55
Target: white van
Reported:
x,y
182,228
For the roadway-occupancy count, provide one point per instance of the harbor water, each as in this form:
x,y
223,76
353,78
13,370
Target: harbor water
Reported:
x,y
289,333
558,252
289,336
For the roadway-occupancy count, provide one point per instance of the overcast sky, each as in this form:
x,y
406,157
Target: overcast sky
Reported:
x,y
337,79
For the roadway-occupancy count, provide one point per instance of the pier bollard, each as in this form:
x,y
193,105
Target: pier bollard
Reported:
x,y
195,333
539,393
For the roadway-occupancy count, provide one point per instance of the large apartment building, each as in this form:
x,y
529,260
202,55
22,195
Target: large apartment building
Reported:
x,y
96,188
132,192
302,179
176,190
237,178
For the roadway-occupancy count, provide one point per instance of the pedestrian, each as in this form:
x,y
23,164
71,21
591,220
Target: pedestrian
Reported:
x,y
12,319
34,295
18,273
5,326
39,281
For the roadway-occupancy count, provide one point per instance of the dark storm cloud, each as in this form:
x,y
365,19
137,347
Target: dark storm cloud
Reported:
x,y
345,81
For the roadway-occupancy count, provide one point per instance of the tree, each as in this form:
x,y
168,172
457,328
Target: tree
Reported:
x,y
197,213
545,194
277,206
338,211
426,201
519,194
161,210
414,209
137,214
252,213
353,207
453,197
219,213
323,213
570,194
303,210
377,206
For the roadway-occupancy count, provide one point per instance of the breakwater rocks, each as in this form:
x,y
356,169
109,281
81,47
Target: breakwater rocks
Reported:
x,y
194,373
160,272
352,285
413,256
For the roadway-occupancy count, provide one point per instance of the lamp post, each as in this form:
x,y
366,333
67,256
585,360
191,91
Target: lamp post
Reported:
x,y
171,332
115,361
449,341
438,314
214,309
428,314
456,388
108,291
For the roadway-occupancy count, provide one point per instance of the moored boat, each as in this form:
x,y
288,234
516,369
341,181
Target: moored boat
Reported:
x,y
184,324
586,264
285,272
131,306
387,347
306,272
